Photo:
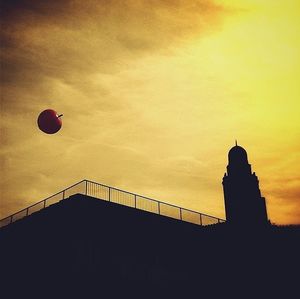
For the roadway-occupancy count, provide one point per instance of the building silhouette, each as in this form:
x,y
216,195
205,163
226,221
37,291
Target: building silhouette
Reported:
x,y
89,245
243,201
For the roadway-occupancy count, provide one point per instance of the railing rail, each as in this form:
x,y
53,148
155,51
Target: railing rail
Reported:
x,y
116,195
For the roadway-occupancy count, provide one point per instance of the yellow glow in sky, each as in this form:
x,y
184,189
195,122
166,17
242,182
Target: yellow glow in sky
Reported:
x,y
153,97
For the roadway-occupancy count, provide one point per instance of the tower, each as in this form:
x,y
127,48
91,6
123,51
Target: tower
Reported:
x,y
243,201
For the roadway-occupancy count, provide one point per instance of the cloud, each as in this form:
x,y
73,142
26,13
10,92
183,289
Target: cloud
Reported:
x,y
59,38
66,55
51,47
144,108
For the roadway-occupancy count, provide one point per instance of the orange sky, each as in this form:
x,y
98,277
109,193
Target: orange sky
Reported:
x,y
153,93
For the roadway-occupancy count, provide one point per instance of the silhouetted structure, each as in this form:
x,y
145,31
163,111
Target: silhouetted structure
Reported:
x,y
83,247
118,196
79,246
243,201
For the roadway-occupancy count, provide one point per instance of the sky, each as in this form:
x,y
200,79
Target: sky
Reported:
x,y
154,94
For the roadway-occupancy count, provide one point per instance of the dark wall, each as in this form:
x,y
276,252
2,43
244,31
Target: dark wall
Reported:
x,y
83,245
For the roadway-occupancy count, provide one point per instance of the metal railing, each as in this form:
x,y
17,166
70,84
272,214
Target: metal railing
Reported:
x,y
117,196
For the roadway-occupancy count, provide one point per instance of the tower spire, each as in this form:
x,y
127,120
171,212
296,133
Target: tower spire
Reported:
x,y
235,142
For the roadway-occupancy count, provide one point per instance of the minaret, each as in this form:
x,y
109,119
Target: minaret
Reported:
x,y
243,201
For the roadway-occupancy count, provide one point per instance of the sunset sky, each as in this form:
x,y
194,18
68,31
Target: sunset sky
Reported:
x,y
154,94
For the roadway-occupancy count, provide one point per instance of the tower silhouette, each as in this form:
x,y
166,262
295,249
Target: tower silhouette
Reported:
x,y
243,201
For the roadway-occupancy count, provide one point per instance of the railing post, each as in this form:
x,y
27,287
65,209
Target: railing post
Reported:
x,y
109,193
86,187
180,213
44,204
200,219
135,200
27,212
158,208
64,194
11,218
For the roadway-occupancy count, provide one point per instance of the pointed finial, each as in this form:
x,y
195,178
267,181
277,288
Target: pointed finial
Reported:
x,y
235,142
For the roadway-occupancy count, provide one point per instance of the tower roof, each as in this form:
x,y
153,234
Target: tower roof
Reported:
x,y
237,154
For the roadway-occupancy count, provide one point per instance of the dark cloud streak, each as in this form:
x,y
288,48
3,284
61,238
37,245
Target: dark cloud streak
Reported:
x,y
70,41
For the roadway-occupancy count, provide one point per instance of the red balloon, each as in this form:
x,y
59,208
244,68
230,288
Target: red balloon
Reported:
x,y
49,121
